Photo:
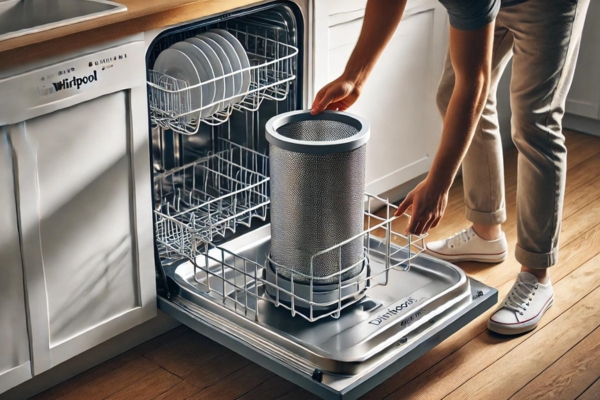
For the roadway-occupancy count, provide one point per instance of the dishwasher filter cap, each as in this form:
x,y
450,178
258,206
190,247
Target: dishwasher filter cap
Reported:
x,y
325,133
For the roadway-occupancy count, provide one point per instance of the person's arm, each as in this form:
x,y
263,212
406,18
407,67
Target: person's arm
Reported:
x,y
471,54
381,20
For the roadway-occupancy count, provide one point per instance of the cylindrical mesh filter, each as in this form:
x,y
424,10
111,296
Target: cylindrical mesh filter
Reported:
x,y
317,169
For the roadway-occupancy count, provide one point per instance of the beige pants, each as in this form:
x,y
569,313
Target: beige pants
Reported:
x,y
543,38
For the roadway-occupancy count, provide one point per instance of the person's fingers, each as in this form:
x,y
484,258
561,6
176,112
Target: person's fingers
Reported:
x,y
414,226
322,100
404,205
416,221
427,226
436,221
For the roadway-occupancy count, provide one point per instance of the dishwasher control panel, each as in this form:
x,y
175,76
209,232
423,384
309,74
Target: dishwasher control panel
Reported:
x,y
69,82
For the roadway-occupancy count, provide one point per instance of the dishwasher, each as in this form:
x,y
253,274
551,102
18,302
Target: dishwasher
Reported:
x,y
212,214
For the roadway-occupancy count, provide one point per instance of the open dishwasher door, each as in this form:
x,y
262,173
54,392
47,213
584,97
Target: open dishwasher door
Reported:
x,y
212,230
405,313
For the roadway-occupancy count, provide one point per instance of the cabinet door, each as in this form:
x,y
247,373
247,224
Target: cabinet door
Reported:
x,y
399,98
15,366
88,275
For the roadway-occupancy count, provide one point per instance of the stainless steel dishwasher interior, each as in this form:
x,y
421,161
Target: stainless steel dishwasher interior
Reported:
x,y
23,17
212,199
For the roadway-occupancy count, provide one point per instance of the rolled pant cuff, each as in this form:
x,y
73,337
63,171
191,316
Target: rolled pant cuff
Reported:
x,y
536,260
486,218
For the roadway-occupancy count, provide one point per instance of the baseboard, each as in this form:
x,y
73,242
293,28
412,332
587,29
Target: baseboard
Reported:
x,y
581,124
99,354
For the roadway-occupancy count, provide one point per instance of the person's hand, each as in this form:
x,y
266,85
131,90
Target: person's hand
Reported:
x,y
428,201
339,94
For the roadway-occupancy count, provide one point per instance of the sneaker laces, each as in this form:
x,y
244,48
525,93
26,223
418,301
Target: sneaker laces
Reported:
x,y
459,238
520,295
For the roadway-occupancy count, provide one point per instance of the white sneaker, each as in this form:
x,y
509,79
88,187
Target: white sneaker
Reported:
x,y
523,307
468,246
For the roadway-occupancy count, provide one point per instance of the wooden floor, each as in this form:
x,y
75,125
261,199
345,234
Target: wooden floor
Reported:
x,y
559,360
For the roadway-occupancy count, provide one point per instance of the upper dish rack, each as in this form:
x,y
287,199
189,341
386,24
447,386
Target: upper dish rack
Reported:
x,y
272,66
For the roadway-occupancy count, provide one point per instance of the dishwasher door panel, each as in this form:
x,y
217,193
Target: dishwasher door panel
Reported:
x,y
15,365
76,182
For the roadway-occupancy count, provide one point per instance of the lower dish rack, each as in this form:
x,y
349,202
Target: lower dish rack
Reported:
x,y
240,282
202,201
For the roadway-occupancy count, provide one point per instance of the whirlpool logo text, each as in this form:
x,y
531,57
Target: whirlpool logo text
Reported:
x,y
392,312
75,82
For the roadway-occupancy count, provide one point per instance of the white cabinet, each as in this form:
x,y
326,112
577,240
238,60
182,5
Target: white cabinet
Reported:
x,y
399,97
85,282
584,96
15,365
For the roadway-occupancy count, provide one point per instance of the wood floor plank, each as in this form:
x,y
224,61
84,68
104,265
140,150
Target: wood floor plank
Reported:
x,y
585,194
184,344
592,393
155,383
115,380
571,375
122,359
580,173
516,368
298,394
237,384
181,391
217,369
189,362
580,147
480,352
272,388
160,340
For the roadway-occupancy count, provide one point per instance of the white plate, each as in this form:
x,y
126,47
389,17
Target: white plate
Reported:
x,y
218,69
242,54
205,72
233,57
176,64
227,69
